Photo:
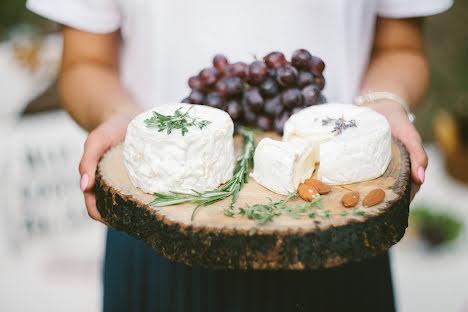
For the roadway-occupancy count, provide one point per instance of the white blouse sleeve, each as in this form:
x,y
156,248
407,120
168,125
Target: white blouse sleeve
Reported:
x,y
96,16
412,8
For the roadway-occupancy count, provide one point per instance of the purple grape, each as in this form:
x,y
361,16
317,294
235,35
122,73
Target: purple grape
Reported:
x,y
316,66
319,81
214,99
287,76
258,71
221,87
323,99
209,76
296,110
311,95
234,109
275,60
281,120
240,70
220,62
228,71
264,122
253,99
269,88
305,79
272,73
301,59
196,97
250,117
291,98
273,106
194,83
233,86
186,100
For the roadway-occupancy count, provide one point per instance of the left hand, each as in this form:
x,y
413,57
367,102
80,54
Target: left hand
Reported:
x,y
406,132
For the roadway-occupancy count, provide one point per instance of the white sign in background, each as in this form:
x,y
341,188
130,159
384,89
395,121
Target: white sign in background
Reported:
x,y
50,250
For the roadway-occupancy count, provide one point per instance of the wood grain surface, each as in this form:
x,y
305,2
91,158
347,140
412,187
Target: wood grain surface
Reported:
x,y
216,241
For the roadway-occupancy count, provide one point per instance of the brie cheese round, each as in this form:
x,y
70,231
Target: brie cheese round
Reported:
x,y
281,166
353,149
199,160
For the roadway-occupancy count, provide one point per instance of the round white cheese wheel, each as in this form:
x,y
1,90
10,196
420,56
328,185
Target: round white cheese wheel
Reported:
x,y
350,154
199,160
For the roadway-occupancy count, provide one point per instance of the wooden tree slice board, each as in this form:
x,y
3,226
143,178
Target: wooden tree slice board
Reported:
x,y
216,241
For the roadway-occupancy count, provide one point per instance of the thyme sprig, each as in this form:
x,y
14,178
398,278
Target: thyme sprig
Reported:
x,y
264,213
180,120
240,177
261,212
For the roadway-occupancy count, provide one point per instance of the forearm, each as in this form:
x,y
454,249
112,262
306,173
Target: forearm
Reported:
x,y
92,93
403,73
90,86
399,68
398,65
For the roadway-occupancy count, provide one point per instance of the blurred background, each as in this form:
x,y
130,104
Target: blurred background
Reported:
x,y
51,252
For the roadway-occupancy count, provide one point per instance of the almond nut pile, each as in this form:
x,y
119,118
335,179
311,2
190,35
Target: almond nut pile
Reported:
x,y
307,192
311,188
321,187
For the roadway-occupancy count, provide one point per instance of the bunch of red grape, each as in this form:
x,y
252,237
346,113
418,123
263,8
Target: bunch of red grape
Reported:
x,y
261,94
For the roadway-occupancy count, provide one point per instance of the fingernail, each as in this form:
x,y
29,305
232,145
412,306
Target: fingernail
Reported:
x,y
421,174
84,182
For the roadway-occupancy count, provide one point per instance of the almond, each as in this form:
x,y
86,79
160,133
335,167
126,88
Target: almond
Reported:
x,y
350,199
321,187
307,192
374,197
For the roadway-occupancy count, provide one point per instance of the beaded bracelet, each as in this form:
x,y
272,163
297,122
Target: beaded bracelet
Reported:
x,y
374,96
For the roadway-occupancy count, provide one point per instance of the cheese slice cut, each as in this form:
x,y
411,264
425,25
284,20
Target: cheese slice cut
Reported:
x,y
199,160
280,166
355,150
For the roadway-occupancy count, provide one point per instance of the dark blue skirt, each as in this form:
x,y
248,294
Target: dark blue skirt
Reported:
x,y
136,278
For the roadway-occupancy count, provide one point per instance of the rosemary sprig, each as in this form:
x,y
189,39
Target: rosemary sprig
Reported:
x,y
179,120
264,213
240,177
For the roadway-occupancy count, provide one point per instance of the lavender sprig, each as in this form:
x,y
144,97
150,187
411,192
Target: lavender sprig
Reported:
x,y
340,124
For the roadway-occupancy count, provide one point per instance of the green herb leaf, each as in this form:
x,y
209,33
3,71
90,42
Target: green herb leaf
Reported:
x,y
264,213
231,188
178,121
358,212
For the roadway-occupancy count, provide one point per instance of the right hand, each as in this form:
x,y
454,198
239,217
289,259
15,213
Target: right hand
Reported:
x,y
406,132
102,138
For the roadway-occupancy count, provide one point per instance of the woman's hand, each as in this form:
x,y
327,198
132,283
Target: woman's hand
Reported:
x,y
405,131
106,135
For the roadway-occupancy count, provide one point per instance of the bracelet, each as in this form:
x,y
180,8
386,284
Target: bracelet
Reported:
x,y
374,96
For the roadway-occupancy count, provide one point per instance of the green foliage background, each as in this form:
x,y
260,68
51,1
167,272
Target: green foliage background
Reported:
x,y
447,48
14,13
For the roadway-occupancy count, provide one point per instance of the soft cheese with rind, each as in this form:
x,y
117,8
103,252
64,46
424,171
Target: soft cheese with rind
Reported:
x,y
200,160
358,154
281,166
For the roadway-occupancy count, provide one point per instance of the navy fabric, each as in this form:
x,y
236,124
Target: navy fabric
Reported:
x,y
136,278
